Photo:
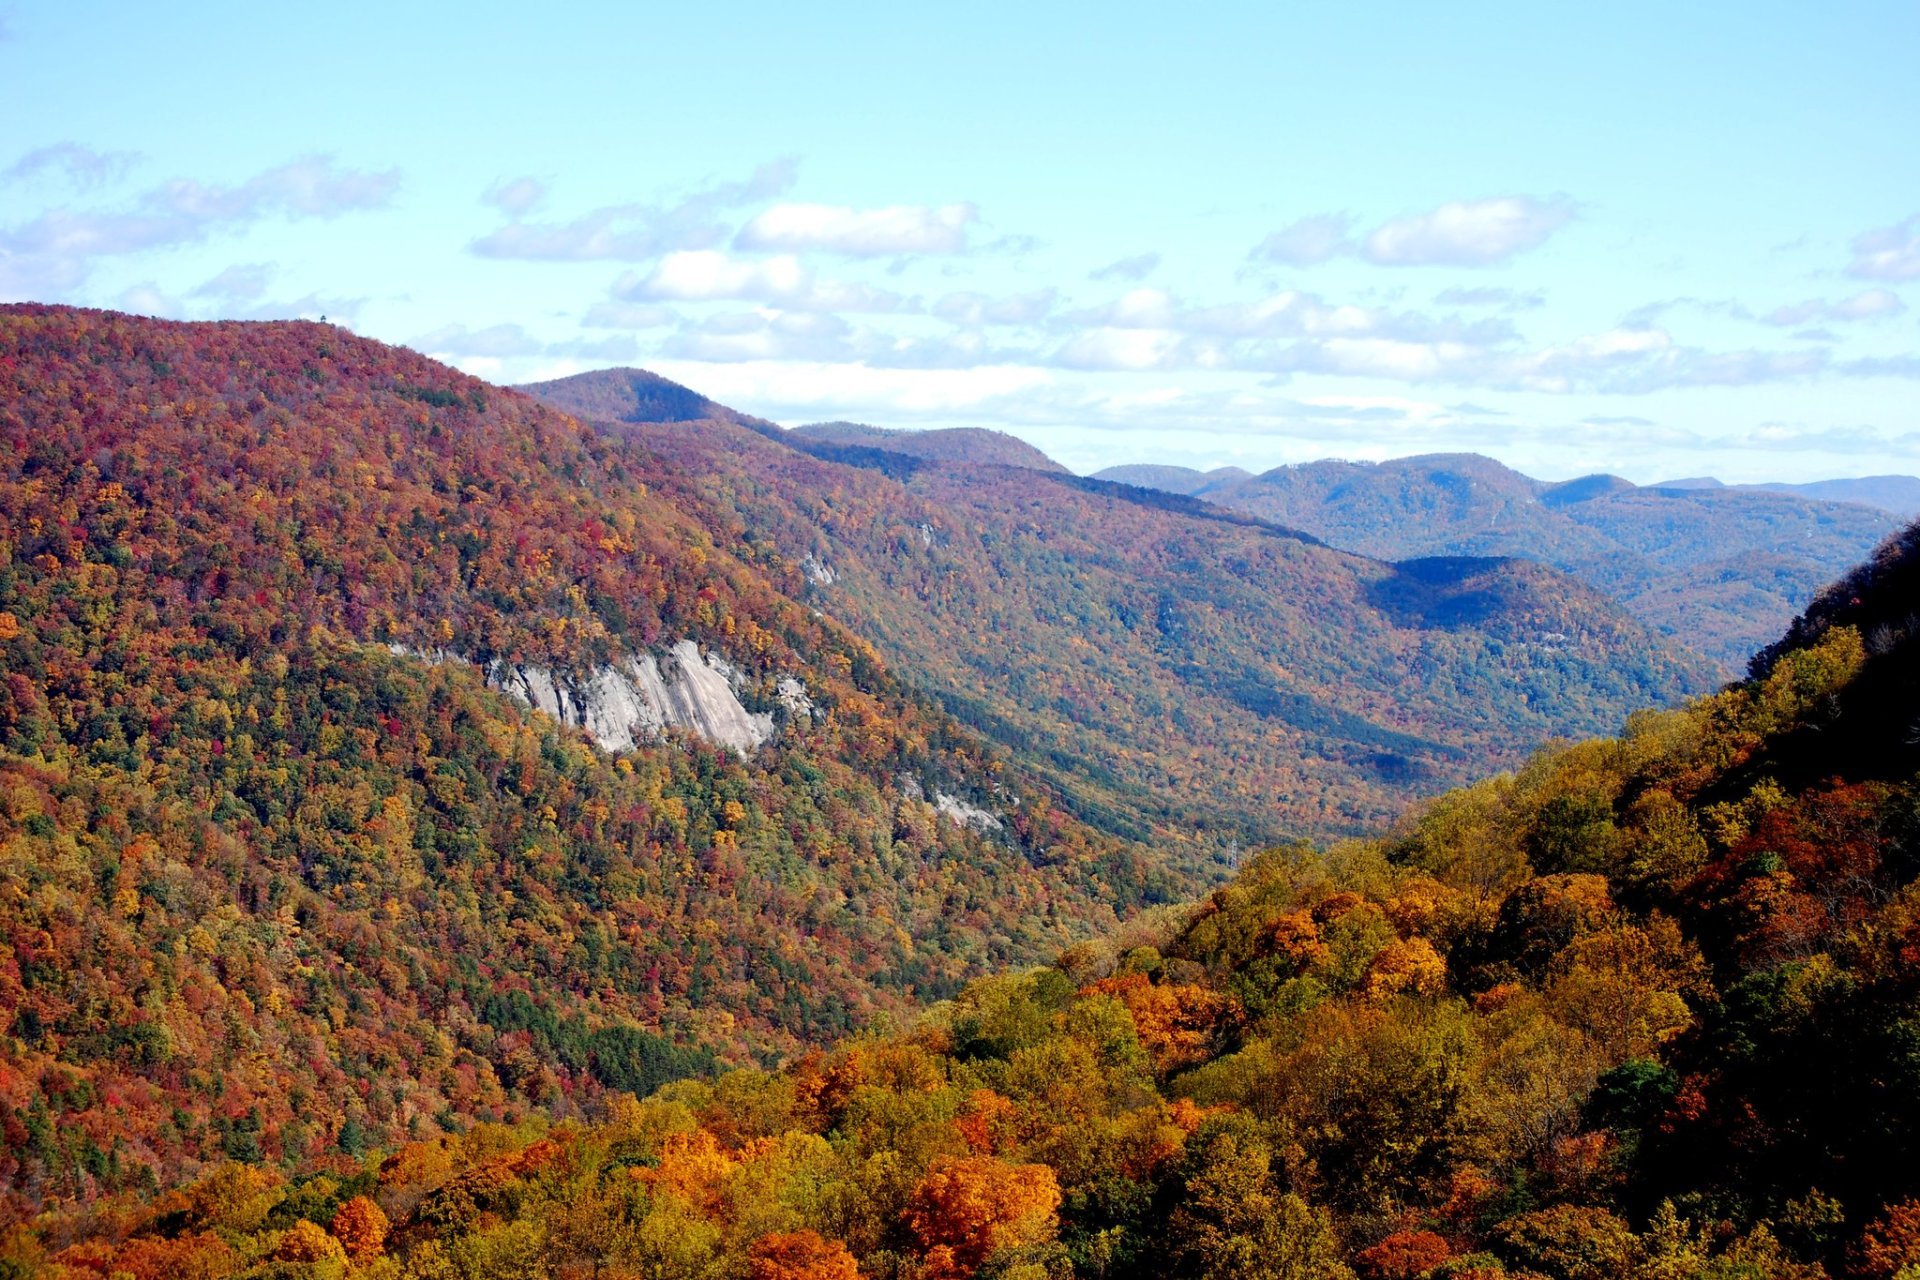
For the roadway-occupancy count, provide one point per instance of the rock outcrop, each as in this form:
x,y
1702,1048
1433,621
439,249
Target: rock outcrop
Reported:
x,y
626,704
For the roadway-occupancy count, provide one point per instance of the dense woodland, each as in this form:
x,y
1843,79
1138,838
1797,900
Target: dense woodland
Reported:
x,y
1642,1009
272,891
1183,674
327,962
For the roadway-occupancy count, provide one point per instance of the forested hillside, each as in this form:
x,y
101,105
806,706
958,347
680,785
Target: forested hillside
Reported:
x,y
1643,1010
956,445
1182,673
283,879
1718,569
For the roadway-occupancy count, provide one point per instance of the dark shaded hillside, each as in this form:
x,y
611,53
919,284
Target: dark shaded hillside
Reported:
x,y
1720,570
1178,669
274,887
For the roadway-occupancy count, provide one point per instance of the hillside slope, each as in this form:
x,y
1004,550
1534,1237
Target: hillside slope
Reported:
x,y
953,444
284,868
1181,672
1644,1010
1721,570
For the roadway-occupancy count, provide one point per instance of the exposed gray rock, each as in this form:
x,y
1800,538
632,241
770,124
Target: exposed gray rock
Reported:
x,y
793,696
624,705
817,571
967,815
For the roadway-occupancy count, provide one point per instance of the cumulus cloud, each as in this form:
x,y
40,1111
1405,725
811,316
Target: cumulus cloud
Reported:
x,y
710,275
1461,233
82,166
515,196
1309,241
634,232
1509,299
1888,253
860,233
498,340
776,335
1865,305
1883,367
241,282
1126,349
972,310
1467,233
150,299
1138,267
619,346
51,252
627,315
183,211
310,187
506,341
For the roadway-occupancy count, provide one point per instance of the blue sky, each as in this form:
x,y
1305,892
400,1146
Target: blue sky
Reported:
x,y
1649,239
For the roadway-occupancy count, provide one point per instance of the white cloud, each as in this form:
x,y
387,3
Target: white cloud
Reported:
x,y
710,275
1462,233
497,341
735,337
1470,233
53,249
861,233
627,315
242,282
82,166
1133,349
1309,241
1865,305
1138,267
516,196
976,309
630,232
1508,299
308,187
1888,253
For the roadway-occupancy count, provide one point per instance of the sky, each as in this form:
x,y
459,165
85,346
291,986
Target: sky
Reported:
x,y
1656,240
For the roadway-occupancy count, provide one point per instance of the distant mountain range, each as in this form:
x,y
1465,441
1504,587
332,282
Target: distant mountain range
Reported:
x,y
1182,672
1720,568
1897,494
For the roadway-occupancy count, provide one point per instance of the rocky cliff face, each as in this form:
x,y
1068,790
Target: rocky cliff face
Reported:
x,y
626,704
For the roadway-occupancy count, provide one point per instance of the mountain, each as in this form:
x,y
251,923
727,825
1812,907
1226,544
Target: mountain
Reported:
x,y
1173,479
1721,570
1897,495
290,864
1644,1009
1180,673
955,444
636,395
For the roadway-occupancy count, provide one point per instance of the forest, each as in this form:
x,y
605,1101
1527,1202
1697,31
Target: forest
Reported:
x,y
1292,688
325,961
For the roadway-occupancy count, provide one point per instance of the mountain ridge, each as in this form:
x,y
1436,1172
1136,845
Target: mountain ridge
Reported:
x,y
995,587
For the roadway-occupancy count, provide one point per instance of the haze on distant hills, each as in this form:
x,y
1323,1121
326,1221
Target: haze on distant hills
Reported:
x,y
1182,672
1720,569
1899,495
954,444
